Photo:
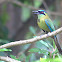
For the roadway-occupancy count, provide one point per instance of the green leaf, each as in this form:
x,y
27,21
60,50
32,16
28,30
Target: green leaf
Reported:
x,y
28,57
28,35
51,60
32,29
4,49
54,44
22,57
57,22
59,56
37,3
34,50
50,45
12,56
43,60
46,44
43,51
55,52
37,50
4,16
25,14
58,60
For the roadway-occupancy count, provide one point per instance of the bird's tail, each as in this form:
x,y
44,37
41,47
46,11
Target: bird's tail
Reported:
x,y
57,44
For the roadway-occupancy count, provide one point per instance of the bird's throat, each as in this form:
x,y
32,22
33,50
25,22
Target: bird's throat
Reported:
x,y
39,16
43,16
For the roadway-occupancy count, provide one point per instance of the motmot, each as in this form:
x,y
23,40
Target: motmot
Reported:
x,y
46,24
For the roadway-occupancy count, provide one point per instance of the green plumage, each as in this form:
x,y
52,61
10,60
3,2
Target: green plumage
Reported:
x,y
45,23
41,23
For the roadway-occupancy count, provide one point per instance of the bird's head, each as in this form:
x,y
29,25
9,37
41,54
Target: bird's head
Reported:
x,y
40,12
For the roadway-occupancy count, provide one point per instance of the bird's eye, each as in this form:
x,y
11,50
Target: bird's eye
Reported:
x,y
42,12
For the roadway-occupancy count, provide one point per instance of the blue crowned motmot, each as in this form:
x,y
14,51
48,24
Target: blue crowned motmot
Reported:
x,y
45,23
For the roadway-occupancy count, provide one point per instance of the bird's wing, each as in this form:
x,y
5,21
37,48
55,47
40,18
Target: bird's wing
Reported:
x,y
50,25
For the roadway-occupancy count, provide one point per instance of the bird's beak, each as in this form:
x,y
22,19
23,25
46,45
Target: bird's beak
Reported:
x,y
35,12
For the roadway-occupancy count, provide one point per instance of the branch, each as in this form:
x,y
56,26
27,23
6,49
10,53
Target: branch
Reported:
x,y
21,42
33,8
45,5
1,1
7,59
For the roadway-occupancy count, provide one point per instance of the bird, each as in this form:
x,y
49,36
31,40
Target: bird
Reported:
x,y
45,23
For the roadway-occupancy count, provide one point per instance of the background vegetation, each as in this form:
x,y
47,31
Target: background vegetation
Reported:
x,y
17,22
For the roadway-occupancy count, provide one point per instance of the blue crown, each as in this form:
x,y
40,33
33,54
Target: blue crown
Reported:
x,y
42,10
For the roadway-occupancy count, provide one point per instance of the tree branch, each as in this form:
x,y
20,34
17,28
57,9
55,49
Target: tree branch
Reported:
x,y
33,8
7,59
21,42
1,1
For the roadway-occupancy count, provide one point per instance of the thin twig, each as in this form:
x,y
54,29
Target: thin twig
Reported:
x,y
33,8
8,59
45,5
21,42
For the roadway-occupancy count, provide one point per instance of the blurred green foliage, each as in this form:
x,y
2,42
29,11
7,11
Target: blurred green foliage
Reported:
x,y
43,48
14,57
2,61
3,20
4,17
50,60
37,3
31,33
3,29
26,13
4,49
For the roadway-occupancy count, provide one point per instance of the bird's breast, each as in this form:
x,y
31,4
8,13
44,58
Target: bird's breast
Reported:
x,y
41,23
